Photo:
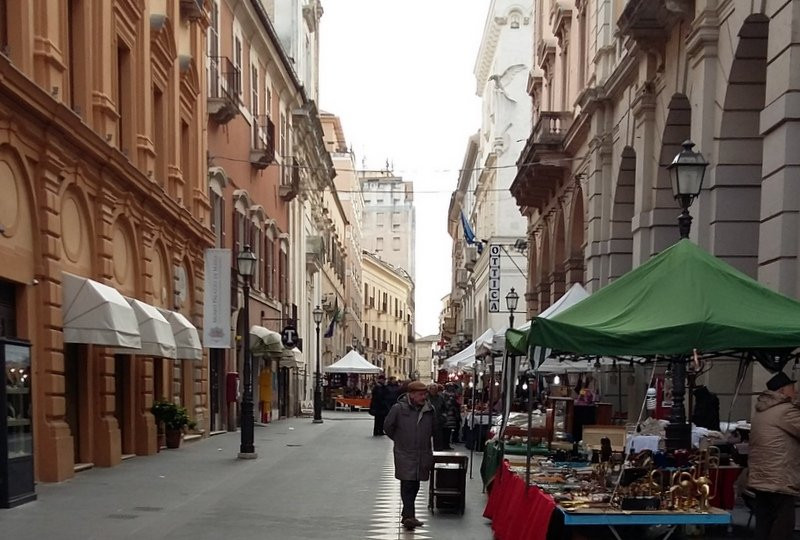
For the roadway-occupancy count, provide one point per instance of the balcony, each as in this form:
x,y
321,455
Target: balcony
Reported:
x,y
449,326
193,10
551,127
652,20
290,179
224,84
262,154
315,250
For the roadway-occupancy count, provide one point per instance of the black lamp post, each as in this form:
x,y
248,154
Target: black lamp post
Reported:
x,y
318,380
686,173
512,299
246,265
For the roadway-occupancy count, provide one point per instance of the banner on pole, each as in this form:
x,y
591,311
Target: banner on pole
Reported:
x,y
217,299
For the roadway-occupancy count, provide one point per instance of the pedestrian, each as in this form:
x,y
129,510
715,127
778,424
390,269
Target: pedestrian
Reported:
x,y
392,392
773,458
452,415
437,402
379,405
410,425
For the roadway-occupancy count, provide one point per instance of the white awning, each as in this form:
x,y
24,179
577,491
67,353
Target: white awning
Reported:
x,y
187,340
264,341
155,330
97,314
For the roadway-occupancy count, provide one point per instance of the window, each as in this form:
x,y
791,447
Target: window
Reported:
x,y
379,217
254,90
237,61
213,51
255,239
217,214
396,243
186,165
75,53
379,244
283,264
269,266
123,97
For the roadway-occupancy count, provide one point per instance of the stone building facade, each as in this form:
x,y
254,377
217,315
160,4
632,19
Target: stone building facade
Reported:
x,y
104,195
616,87
388,316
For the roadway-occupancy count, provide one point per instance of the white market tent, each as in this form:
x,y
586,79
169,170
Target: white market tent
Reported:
x,y
352,362
483,345
466,357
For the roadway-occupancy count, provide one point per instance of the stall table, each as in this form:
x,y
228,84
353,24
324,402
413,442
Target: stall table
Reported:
x,y
614,518
352,403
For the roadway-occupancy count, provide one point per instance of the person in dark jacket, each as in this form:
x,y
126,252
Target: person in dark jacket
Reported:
x,y
393,392
379,405
410,425
440,442
774,455
452,415
706,408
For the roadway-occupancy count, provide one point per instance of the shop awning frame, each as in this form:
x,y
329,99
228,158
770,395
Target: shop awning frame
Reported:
x,y
187,339
96,314
155,330
265,342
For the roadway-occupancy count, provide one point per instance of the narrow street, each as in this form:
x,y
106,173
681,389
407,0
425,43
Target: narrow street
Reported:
x,y
310,481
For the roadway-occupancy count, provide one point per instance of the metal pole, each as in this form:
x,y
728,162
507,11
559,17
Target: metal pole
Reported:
x,y
678,434
472,426
318,387
530,424
247,447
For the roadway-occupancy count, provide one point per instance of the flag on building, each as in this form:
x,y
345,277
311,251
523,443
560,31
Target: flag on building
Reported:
x,y
469,234
336,317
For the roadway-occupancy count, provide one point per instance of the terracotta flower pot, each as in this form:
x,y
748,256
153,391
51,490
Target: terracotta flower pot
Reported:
x,y
174,437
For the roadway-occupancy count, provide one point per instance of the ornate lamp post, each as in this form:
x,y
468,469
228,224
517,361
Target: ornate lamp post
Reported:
x,y
318,378
512,299
246,265
686,173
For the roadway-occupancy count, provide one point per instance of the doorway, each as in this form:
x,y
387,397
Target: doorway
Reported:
x,y
283,392
8,309
122,394
75,394
217,372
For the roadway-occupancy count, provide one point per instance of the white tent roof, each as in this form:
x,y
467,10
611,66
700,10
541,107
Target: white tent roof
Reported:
x,y
352,362
98,314
155,330
575,294
466,357
186,337
291,358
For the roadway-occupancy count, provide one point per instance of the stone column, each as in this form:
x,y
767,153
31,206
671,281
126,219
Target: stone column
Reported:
x,y
54,447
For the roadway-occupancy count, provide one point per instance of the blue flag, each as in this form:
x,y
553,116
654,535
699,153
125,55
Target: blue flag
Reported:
x,y
469,235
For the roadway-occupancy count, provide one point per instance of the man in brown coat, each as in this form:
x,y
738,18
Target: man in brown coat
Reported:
x,y
410,425
774,457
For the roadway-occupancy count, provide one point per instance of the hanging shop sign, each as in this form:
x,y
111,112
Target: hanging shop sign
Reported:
x,y
494,278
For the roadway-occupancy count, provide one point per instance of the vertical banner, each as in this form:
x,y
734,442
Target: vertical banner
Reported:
x,y
494,278
217,300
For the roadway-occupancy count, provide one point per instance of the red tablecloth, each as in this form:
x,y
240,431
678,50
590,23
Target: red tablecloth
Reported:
x,y
725,477
515,514
354,402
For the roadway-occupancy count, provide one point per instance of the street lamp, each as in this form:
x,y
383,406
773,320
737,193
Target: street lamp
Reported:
x,y
246,265
318,381
686,173
512,298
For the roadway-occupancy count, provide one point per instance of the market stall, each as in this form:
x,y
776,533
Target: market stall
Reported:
x,y
350,393
681,307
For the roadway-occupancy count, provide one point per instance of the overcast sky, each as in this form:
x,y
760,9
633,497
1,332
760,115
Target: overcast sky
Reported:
x,y
399,75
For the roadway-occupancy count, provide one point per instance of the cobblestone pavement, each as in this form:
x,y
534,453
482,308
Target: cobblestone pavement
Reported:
x,y
310,481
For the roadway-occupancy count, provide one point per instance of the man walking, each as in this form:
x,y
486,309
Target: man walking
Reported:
x,y
410,425
378,405
774,455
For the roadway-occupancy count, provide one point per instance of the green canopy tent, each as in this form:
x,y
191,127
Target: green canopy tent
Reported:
x,y
680,300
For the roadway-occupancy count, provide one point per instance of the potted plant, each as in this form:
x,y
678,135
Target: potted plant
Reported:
x,y
174,419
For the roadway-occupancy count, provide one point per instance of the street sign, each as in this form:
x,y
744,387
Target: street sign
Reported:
x,y
494,278
289,337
